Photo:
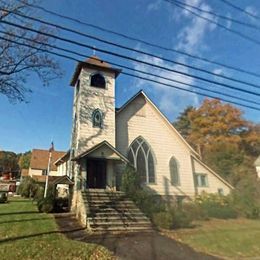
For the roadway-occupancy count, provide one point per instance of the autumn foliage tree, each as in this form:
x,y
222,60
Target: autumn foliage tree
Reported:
x,y
224,139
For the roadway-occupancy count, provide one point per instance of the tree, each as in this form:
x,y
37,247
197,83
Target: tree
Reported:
x,y
183,123
8,162
228,143
24,160
19,62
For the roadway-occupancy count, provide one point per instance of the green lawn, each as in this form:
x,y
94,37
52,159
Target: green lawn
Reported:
x,y
239,238
27,234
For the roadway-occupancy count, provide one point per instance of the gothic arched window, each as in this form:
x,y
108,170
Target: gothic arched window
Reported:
x,y
174,172
141,156
97,80
97,119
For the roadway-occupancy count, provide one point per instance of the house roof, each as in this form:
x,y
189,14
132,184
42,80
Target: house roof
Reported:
x,y
63,159
101,146
53,179
40,159
257,161
142,93
94,62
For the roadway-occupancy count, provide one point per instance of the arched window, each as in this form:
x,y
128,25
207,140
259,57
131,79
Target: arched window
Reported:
x,y
97,80
97,119
141,156
174,172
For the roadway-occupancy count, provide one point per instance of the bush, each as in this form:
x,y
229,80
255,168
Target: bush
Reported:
x,y
28,187
194,211
246,198
148,202
130,182
216,206
163,220
61,204
45,205
172,219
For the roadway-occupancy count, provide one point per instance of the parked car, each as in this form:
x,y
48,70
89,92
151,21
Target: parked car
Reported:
x,y
3,196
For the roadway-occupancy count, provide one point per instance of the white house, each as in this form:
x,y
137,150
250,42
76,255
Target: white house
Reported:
x,y
104,140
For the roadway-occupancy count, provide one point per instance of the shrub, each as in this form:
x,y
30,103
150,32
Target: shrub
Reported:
x,y
194,211
28,188
246,198
148,202
216,206
172,219
61,204
163,220
130,182
45,205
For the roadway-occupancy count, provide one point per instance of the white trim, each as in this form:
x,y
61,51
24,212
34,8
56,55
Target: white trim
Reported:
x,y
214,173
161,114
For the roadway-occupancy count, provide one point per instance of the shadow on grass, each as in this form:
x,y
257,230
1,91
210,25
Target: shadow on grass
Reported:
x,y
19,212
10,239
23,220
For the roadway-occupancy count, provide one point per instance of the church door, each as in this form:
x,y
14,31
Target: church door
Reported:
x,y
96,174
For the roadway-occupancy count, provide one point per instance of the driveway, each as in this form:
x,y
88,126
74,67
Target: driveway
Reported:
x,y
131,246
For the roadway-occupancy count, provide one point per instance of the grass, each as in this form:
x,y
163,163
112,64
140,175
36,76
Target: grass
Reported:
x,y
27,234
238,238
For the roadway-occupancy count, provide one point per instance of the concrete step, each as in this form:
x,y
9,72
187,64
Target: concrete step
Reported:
x,y
111,203
118,218
122,229
108,209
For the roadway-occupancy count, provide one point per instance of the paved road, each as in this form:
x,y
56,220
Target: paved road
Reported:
x,y
133,246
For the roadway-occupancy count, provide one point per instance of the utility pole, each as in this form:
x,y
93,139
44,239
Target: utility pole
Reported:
x,y
48,170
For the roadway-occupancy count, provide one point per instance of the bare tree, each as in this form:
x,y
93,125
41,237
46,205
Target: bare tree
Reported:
x,y
18,62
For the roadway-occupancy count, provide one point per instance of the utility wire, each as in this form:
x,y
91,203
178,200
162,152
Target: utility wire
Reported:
x,y
182,6
141,41
134,59
135,50
131,75
218,15
240,9
129,68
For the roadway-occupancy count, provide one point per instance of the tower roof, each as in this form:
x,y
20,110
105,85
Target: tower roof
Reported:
x,y
93,62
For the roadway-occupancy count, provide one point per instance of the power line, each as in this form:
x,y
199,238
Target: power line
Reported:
x,y
218,15
126,67
133,59
141,41
240,9
182,6
135,50
132,75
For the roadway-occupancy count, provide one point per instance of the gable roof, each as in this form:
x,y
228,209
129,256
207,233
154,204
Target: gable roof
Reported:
x,y
99,146
213,172
93,62
142,93
40,159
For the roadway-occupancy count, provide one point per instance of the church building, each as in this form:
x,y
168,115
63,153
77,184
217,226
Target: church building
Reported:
x,y
105,139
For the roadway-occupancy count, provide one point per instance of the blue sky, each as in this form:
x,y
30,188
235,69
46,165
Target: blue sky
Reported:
x,y
48,114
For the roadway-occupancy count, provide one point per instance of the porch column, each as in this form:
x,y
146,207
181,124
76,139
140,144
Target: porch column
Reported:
x,y
84,174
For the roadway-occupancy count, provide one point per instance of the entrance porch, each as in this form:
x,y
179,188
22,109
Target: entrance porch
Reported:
x,y
97,167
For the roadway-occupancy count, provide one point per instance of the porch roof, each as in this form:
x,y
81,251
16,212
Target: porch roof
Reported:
x,y
103,150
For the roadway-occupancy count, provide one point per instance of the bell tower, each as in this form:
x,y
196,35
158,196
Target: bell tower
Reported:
x,y
93,105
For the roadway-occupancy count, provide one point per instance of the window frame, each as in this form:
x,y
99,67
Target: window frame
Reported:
x,y
94,113
96,74
173,159
146,155
199,180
